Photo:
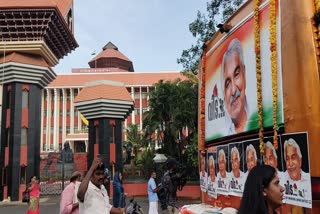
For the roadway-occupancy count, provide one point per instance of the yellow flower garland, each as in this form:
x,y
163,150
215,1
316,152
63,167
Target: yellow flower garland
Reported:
x,y
317,4
273,59
202,97
258,71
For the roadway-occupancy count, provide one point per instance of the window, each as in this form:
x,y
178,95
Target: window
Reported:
x,y
79,146
137,111
51,146
144,95
23,173
68,112
68,129
24,136
25,99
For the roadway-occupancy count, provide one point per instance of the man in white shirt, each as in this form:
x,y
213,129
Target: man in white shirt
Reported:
x,y
294,175
233,73
223,177
212,183
203,174
271,157
92,194
251,158
237,176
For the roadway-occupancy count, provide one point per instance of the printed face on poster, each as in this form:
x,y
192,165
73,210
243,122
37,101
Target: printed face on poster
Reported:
x,y
273,157
296,176
237,177
212,179
223,176
203,171
252,155
230,84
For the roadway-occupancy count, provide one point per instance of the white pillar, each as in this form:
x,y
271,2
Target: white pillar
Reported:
x,y
42,115
71,111
64,115
140,97
78,115
56,120
133,112
48,125
148,98
125,128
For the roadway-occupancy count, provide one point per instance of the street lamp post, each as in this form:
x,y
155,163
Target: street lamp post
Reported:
x,y
158,160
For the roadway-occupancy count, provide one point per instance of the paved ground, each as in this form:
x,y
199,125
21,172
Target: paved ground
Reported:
x,y
50,205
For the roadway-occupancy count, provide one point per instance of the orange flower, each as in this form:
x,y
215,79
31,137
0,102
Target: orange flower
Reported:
x,y
258,71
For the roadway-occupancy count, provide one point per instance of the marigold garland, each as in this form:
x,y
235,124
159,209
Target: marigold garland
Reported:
x,y
317,3
258,71
202,98
273,59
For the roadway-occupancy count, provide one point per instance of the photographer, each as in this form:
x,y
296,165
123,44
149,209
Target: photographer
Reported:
x,y
170,181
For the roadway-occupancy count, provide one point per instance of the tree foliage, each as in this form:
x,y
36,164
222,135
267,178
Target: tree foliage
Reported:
x,y
172,107
203,29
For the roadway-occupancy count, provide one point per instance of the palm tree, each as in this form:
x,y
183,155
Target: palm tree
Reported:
x,y
135,138
172,107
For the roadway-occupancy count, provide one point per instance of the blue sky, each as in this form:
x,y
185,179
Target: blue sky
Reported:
x,y
151,33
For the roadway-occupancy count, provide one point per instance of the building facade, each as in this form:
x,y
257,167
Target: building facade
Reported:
x,y
61,121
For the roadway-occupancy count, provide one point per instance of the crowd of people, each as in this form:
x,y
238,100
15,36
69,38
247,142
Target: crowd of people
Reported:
x,y
263,192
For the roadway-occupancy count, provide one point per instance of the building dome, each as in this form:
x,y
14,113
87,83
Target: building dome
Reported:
x,y
111,57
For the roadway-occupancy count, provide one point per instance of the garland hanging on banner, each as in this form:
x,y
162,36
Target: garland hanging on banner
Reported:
x,y
273,59
258,71
202,99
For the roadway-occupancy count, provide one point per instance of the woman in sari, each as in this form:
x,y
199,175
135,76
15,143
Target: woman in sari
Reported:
x,y
118,191
34,190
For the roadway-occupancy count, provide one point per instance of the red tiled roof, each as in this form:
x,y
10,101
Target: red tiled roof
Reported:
x,y
25,58
111,53
62,5
128,78
103,91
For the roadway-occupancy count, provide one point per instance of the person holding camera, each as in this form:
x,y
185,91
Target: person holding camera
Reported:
x,y
92,194
170,181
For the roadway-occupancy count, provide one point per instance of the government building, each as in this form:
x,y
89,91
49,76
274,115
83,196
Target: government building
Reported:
x,y
62,122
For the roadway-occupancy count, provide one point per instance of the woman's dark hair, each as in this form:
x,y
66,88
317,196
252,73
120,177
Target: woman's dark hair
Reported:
x,y
253,200
31,178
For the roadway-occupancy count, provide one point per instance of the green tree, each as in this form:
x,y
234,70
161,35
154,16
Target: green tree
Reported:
x,y
135,138
203,29
172,107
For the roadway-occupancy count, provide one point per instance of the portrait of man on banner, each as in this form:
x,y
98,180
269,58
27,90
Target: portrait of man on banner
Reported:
x,y
212,178
233,77
296,177
252,156
203,172
237,177
273,157
223,175
231,104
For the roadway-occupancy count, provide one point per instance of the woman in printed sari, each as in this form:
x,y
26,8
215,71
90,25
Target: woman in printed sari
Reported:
x,y
34,190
